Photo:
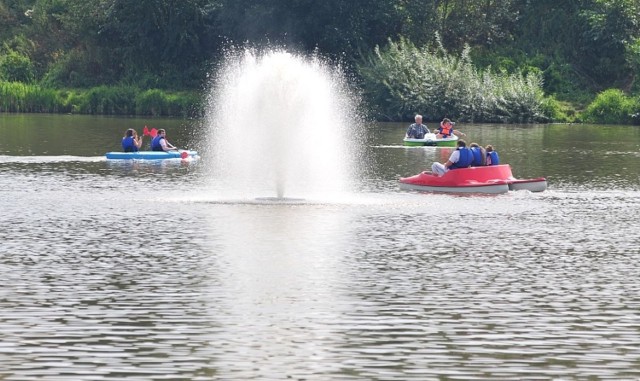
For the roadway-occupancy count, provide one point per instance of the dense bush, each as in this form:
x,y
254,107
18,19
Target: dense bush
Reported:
x,y
612,107
404,79
558,111
15,67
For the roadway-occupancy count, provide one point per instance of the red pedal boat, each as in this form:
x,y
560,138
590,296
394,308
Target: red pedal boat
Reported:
x,y
489,179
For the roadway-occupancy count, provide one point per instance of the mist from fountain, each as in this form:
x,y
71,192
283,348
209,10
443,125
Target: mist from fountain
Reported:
x,y
283,125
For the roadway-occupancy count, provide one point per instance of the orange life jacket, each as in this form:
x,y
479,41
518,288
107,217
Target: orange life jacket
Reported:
x,y
445,129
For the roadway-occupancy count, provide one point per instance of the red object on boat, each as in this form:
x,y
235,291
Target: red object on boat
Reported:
x,y
488,179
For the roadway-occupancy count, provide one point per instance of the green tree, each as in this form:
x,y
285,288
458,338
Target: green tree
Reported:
x,y
580,45
476,22
337,28
611,28
148,33
15,67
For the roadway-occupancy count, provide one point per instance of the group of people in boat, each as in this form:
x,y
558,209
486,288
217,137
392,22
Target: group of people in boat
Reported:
x,y
418,130
465,157
131,142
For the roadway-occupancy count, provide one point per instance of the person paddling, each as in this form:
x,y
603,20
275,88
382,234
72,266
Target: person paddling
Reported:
x,y
160,143
131,142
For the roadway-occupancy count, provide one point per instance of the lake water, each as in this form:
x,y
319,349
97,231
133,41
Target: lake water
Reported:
x,y
143,271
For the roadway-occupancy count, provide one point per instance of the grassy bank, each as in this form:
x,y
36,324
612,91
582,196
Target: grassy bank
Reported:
x,y
103,100
608,107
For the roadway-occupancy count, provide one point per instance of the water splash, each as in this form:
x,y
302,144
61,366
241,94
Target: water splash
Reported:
x,y
282,125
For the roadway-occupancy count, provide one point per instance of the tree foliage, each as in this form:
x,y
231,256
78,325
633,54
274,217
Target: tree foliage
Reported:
x,y
580,47
15,67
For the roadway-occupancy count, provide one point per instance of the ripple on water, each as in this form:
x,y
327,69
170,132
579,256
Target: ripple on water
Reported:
x,y
102,280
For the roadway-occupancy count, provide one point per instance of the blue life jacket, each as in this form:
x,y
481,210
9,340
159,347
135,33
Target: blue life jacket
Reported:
x,y
492,158
465,159
479,156
155,143
128,145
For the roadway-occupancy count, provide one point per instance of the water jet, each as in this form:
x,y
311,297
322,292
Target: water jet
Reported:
x,y
282,126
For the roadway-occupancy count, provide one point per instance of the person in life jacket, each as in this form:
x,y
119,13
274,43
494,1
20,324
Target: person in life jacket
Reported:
x,y
417,130
479,155
446,129
492,156
460,158
160,143
131,142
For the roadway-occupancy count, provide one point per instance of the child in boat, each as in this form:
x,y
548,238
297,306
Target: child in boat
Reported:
x,y
492,156
417,130
446,129
131,142
479,155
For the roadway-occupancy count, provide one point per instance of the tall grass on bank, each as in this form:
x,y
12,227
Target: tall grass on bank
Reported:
x,y
20,97
158,103
403,79
102,100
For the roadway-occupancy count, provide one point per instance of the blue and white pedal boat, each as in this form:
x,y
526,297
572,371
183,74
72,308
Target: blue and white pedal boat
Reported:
x,y
152,155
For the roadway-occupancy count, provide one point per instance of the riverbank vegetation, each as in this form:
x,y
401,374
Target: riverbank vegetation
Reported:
x,y
104,100
445,85
484,61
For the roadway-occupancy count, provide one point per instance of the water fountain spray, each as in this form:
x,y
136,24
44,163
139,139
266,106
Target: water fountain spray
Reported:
x,y
283,125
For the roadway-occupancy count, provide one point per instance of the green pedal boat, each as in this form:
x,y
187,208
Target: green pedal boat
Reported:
x,y
431,140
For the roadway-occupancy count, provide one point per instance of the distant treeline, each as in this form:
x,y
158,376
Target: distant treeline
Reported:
x,y
562,54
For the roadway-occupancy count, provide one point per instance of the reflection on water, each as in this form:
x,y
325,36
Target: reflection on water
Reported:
x,y
142,271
